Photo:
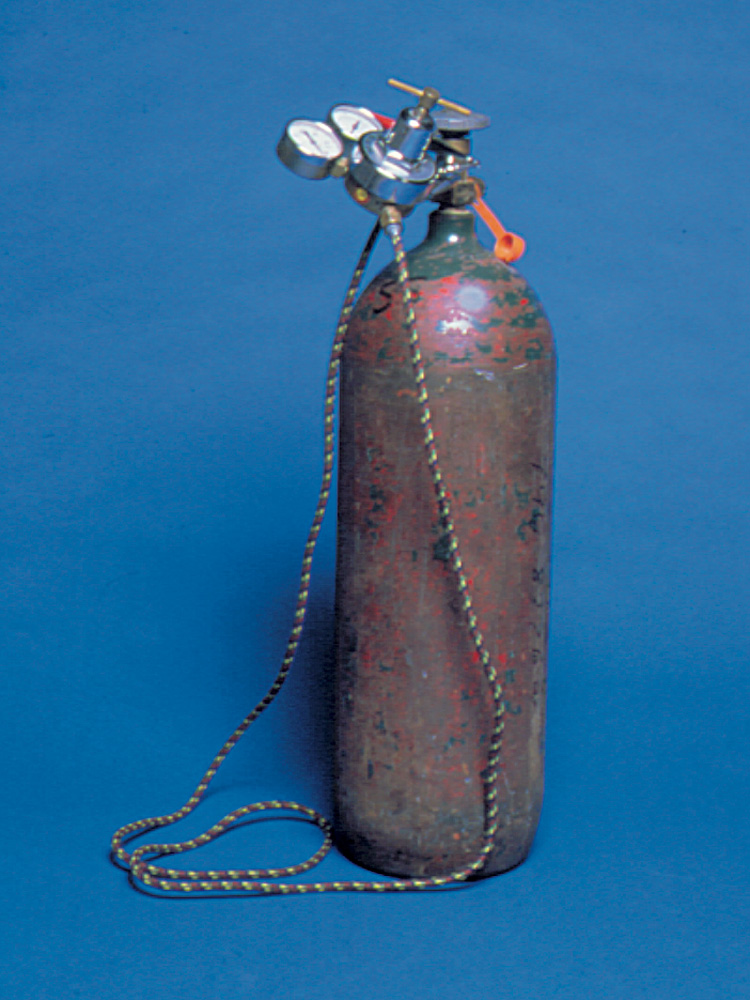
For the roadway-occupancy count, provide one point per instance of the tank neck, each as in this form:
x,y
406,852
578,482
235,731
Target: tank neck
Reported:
x,y
452,225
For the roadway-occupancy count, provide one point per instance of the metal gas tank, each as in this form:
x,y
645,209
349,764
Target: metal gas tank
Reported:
x,y
413,711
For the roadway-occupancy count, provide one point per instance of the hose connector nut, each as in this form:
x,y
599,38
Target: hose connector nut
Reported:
x,y
390,216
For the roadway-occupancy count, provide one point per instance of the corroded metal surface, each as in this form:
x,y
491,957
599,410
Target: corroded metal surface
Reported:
x,y
413,715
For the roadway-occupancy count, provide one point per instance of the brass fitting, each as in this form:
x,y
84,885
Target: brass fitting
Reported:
x,y
389,216
462,193
340,167
429,98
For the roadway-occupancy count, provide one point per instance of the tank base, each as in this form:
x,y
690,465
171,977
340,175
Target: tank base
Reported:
x,y
513,847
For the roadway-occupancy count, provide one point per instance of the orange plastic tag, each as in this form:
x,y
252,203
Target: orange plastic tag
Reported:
x,y
508,246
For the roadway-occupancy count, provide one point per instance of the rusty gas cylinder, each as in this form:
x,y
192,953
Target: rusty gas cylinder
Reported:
x,y
413,709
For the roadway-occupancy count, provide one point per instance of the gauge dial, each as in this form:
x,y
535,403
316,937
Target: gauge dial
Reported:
x,y
309,148
353,122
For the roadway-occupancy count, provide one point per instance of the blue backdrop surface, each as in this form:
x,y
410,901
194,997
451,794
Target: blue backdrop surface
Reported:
x,y
168,298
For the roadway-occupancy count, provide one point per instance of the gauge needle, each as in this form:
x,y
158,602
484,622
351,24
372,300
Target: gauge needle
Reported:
x,y
313,142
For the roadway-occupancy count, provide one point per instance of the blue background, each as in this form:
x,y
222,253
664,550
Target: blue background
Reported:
x,y
169,296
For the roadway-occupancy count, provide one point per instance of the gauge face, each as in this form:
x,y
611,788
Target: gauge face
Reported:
x,y
314,139
309,148
353,122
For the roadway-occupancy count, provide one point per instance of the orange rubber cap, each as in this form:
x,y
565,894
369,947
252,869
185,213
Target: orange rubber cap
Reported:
x,y
508,246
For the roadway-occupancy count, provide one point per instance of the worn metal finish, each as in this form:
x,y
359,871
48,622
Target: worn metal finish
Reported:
x,y
413,715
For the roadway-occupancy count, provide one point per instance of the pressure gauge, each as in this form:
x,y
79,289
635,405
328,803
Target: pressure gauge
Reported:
x,y
352,122
309,148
